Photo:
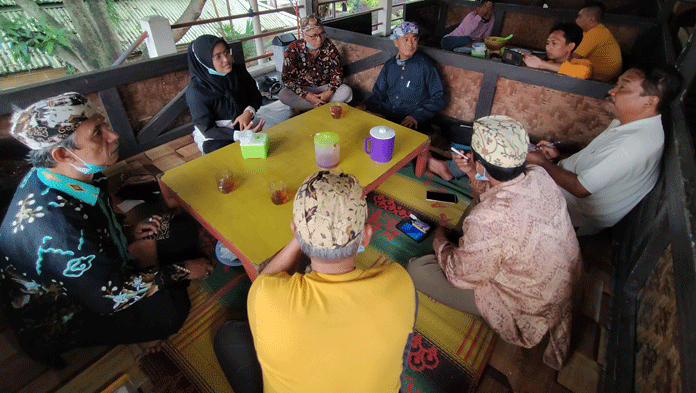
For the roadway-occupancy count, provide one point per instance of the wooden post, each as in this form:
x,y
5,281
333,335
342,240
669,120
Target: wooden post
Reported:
x,y
159,36
384,16
256,21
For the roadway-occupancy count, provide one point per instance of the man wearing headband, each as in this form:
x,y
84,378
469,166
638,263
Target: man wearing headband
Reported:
x,y
408,90
70,277
314,331
312,70
518,258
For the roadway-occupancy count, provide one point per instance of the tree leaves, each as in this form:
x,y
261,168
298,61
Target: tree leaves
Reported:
x,y
27,34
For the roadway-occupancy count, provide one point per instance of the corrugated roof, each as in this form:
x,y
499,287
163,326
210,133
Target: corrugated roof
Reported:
x,y
128,28
13,3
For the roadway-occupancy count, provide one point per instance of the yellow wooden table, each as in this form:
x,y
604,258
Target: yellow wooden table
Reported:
x,y
246,220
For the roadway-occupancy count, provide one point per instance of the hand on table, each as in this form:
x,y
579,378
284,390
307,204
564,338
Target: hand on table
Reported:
x,y
243,120
258,127
199,268
410,122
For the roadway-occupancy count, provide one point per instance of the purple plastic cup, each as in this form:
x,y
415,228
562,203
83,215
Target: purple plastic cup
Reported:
x,y
380,144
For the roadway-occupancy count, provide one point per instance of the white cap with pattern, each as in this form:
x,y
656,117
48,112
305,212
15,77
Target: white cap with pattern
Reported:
x,y
500,140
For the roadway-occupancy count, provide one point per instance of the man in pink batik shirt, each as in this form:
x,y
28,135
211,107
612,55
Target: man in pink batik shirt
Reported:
x,y
518,258
477,25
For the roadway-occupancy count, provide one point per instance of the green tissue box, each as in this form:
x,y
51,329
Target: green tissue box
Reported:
x,y
255,146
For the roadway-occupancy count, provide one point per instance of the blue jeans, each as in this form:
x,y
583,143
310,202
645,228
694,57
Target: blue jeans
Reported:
x,y
456,172
451,42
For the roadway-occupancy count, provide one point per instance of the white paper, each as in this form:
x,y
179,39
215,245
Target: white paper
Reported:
x,y
128,204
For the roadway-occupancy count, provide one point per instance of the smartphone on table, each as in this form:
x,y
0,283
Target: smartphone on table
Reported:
x,y
413,228
441,197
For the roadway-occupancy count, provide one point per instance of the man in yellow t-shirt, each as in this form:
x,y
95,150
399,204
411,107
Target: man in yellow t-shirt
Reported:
x,y
564,38
336,329
598,44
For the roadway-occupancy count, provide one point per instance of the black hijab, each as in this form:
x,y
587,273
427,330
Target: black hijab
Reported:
x,y
200,59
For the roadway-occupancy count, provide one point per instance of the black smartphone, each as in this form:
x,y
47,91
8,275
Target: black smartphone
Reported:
x,y
441,197
512,57
415,229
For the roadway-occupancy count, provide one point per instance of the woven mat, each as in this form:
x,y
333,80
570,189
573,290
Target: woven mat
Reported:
x,y
450,349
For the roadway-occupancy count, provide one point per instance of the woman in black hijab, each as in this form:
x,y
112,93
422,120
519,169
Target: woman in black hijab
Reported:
x,y
221,96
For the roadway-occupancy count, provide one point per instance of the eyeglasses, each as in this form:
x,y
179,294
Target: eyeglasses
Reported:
x,y
219,56
314,36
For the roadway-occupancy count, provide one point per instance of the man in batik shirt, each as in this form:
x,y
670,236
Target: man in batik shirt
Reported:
x,y
518,258
312,72
71,278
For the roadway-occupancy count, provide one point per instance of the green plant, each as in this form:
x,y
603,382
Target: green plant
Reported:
x,y
23,34
113,14
248,46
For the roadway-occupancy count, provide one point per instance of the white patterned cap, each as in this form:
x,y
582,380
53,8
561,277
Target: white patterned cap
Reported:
x,y
47,122
403,29
329,210
500,140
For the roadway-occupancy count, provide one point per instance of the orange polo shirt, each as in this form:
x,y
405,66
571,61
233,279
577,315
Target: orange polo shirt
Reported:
x,y
600,47
577,68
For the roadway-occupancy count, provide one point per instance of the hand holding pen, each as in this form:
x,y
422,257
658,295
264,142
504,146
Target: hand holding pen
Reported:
x,y
548,149
463,161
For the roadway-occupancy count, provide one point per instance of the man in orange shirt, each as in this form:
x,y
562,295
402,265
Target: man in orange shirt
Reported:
x,y
564,38
598,44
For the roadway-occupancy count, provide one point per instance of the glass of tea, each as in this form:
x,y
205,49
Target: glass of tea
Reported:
x,y
336,110
225,181
279,192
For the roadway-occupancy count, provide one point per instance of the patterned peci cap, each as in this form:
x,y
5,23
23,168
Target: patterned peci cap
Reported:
x,y
310,22
403,29
47,122
500,140
329,210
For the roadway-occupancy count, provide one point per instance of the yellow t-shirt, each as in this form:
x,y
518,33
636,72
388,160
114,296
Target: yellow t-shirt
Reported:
x,y
601,49
577,68
332,333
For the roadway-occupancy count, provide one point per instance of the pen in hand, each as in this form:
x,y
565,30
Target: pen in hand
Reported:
x,y
549,144
458,152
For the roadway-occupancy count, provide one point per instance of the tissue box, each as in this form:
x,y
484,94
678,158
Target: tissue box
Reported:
x,y
255,147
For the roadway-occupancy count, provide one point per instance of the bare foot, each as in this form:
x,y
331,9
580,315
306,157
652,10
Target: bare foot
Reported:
x,y
439,168
151,347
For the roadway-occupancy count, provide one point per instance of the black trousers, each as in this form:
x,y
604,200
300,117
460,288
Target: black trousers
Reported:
x,y
234,348
153,318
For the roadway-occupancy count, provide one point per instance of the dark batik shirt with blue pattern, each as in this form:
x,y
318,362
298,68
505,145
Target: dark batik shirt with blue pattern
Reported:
x,y
63,251
413,88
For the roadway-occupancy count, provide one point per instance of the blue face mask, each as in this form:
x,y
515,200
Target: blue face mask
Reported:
x,y
213,72
87,168
482,177
311,47
210,70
